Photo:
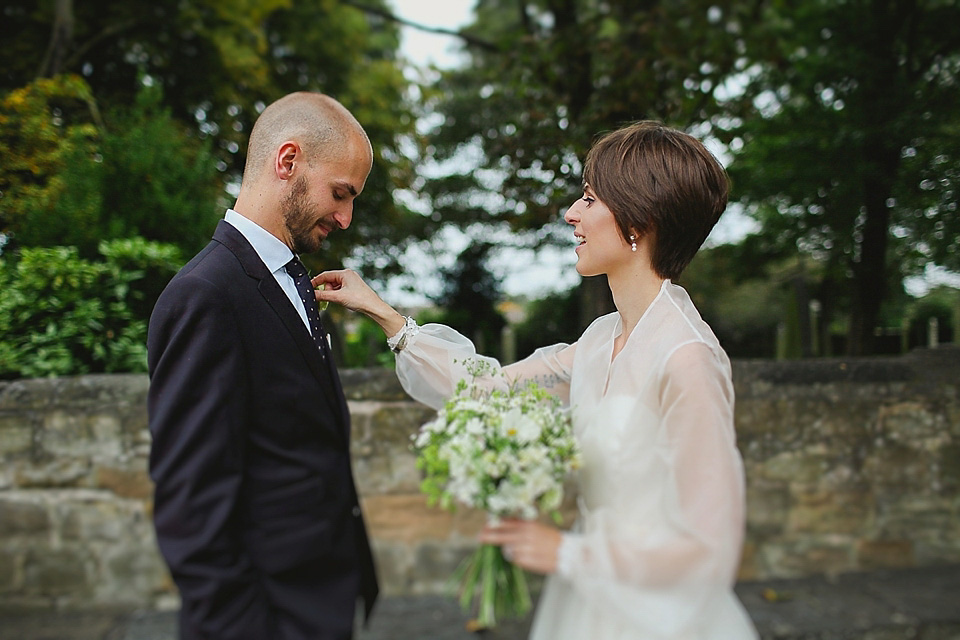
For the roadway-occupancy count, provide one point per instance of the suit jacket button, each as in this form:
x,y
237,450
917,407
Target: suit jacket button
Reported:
x,y
356,511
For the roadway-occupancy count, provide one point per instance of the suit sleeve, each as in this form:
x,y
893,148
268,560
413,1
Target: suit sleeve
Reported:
x,y
199,384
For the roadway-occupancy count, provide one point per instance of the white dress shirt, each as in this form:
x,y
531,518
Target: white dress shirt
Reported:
x,y
274,254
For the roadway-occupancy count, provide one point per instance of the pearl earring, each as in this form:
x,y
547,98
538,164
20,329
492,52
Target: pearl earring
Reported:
x,y
633,243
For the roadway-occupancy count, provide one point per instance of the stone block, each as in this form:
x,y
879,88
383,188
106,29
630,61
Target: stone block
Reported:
x,y
948,468
394,561
807,555
831,512
436,563
65,433
56,572
52,472
102,389
803,466
26,394
407,518
134,425
73,433
897,469
89,521
105,427
8,570
910,422
913,517
383,461
748,569
395,423
767,507
372,384
125,483
885,554
131,576
953,417
16,435
20,518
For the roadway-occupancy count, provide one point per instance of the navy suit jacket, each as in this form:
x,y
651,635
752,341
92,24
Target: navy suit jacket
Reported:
x,y
256,510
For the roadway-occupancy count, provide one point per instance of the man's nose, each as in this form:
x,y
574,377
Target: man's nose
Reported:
x,y
344,216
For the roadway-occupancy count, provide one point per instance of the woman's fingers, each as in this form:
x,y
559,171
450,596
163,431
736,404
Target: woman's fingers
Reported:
x,y
330,280
527,544
343,287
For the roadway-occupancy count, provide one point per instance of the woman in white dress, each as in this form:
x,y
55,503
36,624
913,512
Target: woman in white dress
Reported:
x,y
655,550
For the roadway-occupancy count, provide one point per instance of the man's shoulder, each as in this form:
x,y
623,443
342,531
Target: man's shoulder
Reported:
x,y
215,264
207,276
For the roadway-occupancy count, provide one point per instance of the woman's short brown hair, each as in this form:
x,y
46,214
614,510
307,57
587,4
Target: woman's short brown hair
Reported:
x,y
661,182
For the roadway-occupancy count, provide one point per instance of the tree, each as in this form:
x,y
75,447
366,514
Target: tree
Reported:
x,y
550,320
219,63
45,128
741,291
72,178
551,75
846,144
469,298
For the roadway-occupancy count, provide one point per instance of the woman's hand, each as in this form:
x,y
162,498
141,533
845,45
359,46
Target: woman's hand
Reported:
x,y
347,288
528,544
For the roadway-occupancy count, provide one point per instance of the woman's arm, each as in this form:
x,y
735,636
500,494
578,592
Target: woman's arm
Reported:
x,y
432,359
347,288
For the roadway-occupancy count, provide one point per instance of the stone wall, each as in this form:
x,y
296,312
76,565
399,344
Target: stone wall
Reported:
x,y
850,465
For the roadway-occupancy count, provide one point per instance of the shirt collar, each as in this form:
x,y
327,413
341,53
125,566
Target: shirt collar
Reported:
x,y
271,250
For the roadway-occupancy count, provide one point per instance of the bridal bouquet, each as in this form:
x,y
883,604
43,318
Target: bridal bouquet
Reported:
x,y
506,452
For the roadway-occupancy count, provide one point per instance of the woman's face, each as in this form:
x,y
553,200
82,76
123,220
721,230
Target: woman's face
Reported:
x,y
601,247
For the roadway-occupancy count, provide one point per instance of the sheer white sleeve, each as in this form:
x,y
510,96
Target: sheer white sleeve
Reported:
x,y
676,535
432,362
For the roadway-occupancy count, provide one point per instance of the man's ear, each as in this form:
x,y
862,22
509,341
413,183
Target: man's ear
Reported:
x,y
288,156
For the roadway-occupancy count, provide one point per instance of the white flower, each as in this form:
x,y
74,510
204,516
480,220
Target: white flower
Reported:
x,y
505,452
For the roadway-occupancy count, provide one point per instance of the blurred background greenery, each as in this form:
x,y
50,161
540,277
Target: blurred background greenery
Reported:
x,y
123,129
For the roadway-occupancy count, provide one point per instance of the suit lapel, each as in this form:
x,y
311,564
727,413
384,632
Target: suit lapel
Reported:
x,y
341,397
329,381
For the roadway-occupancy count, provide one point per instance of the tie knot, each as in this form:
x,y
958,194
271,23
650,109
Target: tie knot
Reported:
x,y
295,268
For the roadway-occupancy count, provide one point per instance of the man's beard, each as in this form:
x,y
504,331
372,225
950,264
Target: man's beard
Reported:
x,y
298,219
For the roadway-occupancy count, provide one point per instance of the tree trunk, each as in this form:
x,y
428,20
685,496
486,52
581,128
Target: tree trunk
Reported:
x,y
885,96
61,39
870,273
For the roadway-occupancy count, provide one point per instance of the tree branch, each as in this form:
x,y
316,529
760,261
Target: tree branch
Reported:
x,y
471,40
107,32
61,37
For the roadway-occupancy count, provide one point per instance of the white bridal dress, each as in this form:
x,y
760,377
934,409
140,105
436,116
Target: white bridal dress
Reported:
x,y
655,551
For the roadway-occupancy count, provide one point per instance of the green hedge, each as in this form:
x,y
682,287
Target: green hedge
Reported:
x,y
63,315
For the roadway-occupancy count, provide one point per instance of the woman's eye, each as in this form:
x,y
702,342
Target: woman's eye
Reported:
x,y
588,200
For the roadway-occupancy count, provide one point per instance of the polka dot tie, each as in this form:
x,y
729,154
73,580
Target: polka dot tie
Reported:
x,y
299,274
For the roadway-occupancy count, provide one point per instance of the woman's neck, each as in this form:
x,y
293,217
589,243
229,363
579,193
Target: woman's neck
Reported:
x,y
634,289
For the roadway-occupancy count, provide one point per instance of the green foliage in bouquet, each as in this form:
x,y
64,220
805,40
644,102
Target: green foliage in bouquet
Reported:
x,y
504,448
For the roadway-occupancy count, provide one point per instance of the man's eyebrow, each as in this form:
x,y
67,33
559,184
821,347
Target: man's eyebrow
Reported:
x,y
346,185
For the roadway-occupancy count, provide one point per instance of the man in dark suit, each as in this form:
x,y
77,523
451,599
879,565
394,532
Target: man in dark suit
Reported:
x,y
256,510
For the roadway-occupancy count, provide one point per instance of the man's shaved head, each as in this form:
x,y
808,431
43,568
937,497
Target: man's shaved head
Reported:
x,y
319,124
307,161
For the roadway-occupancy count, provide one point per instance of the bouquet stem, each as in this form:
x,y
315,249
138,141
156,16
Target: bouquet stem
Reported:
x,y
492,587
